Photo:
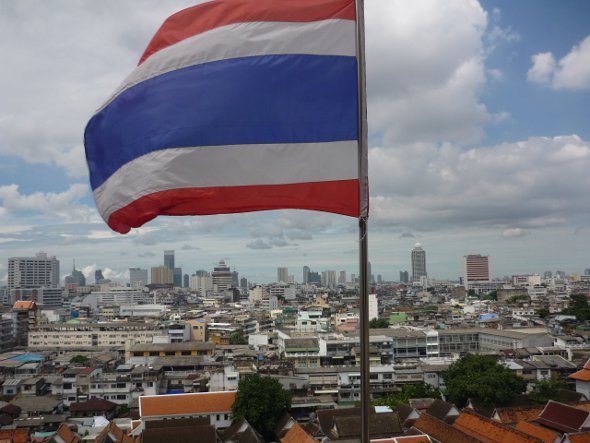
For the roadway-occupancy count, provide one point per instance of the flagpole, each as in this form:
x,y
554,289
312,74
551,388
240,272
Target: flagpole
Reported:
x,y
363,238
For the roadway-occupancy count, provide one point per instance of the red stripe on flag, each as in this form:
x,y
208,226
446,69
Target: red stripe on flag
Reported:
x,y
340,197
207,16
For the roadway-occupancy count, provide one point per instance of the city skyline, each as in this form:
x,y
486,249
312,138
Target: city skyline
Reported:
x,y
478,133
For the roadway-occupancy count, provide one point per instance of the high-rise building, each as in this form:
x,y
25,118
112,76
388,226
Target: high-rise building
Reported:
x,y
404,277
76,278
329,279
177,277
418,263
169,259
314,277
306,271
244,283
477,269
138,277
162,275
98,277
185,281
222,277
33,272
342,278
587,271
282,275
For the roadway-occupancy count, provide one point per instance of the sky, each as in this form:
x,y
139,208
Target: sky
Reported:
x,y
479,142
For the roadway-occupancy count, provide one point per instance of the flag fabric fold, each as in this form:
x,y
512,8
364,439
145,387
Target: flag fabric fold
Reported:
x,y
235,106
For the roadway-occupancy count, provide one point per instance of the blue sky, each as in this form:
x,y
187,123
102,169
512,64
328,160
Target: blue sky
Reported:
x,y
479,120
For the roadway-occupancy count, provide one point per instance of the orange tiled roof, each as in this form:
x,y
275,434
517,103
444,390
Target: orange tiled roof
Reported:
x,y
488,430
580,437
186,404
583,405
24,304
410,439
582,374
587,365
547,435
297,435
441,431
515,414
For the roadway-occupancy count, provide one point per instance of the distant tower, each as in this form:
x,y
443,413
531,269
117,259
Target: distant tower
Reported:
x,y
169,259
418,262
283,275
306,272
403,277
177,277
222,276
477,269
98,277
138,277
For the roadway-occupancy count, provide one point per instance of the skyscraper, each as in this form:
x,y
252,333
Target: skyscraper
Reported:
x,y
222,277
33,272
177,277
138,277
403,276
283,275
477,269
418,263
169,259
306,272
98,276
162,275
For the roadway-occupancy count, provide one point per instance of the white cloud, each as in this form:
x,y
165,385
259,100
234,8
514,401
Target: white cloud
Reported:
x,y
570,72
84,53
543,68
258,244
513,233
427,186
419,90
62,205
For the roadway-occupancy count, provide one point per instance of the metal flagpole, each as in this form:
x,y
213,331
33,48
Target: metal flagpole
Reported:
x,y
363,239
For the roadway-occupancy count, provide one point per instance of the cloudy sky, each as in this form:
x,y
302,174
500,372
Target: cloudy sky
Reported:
x,y
479,122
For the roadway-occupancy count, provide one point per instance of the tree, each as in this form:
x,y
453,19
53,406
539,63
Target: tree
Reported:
x,y
493,295
547,389
407,392
237,338
482,378
578,307
377,323
79,359
543,312
262,401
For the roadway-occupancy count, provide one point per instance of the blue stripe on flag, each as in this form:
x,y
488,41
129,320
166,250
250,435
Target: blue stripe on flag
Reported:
x,y
251,100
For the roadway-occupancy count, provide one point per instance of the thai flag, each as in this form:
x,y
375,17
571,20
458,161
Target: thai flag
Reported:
x,y
235,106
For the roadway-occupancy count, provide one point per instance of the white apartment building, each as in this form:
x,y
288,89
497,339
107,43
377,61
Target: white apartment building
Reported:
x,y
90,335
31,272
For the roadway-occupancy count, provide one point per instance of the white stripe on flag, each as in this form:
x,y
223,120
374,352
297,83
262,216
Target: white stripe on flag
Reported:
x,y
326,37
234,165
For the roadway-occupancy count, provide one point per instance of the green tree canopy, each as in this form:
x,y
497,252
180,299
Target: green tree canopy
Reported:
x,y
262,401
578,307
547,389
237,338
482,378
79,359
377,323
407,392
